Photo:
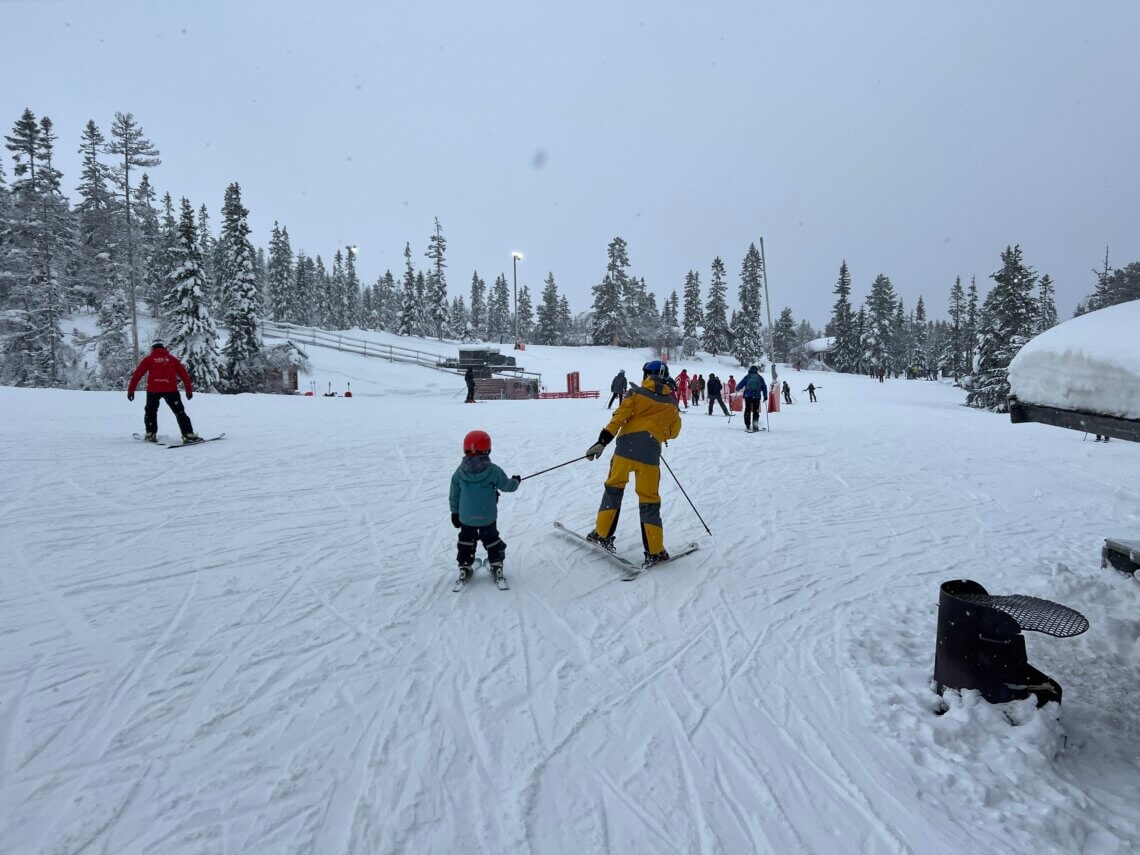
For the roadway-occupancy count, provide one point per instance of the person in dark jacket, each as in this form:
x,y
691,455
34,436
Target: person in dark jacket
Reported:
x,y
617,388
755,390
810,390
469,379
474,499
163,370
787,393
712,393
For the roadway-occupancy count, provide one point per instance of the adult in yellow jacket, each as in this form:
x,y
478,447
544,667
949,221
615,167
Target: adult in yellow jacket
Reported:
x,y
645,419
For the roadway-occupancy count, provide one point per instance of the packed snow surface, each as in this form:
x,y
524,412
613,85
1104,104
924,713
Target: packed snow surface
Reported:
x,y
252,645
1089,363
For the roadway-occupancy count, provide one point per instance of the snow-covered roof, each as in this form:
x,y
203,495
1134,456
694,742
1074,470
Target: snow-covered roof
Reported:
x,y
820,345
1090,363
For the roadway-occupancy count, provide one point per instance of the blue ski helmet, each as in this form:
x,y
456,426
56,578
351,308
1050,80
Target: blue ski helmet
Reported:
x,y
656,368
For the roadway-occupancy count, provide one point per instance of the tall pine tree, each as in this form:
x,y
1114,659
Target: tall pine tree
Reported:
x,y
192,336
845,350
280,274
241,295
134,151
547,331
879,324
694,313
717,334
1008,321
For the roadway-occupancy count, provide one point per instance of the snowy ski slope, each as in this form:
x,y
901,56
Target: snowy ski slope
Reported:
x,y
252,646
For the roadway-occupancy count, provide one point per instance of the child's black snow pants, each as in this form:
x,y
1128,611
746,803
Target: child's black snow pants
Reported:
x,y
469,537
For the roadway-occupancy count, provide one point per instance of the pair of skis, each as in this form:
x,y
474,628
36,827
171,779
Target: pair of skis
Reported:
x,y
631,571
141,438
478,563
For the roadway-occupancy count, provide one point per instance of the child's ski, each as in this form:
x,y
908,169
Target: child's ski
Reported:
x,y
160,440
673,556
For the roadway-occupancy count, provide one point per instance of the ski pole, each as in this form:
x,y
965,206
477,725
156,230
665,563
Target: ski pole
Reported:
x,y
686,495
552,468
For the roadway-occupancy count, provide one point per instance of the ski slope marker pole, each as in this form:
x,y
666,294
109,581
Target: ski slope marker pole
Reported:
x,y
686,495
552,468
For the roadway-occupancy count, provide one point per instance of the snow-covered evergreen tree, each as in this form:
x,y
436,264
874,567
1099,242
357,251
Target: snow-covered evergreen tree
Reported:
x,y
747,341
114,350
280,274
457,319
694,314
899,341
39,244
525,314
879,324
409,310
149,231
192,336
478,318
437,281
133,151
717,333
784,335
548,329
609,320
94,262
669,312
334,300
207,247
386,302
352,312
845,351
918,340
241,296
1008,321
499,310
1046,305
301,307
970,328
955,357
566,322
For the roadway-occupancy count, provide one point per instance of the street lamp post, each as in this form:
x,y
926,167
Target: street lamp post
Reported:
x,y
515,258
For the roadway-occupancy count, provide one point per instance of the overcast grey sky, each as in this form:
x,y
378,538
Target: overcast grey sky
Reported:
x,y
914,139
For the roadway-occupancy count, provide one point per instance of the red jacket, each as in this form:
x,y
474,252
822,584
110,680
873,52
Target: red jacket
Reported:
x,y
683,383
164,370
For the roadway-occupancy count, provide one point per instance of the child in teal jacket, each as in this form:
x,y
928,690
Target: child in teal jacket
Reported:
x,y
474,498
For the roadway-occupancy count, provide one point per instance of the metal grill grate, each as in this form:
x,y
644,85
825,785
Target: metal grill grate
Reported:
x,y
1034,614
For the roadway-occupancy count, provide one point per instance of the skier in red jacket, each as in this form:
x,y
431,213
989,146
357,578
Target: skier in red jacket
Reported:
x,y
163,371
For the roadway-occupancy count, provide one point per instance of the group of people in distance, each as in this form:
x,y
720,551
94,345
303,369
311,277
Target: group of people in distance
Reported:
x,y
685,387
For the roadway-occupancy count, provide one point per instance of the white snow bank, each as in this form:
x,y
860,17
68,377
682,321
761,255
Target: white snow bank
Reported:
x,y
1090,363
820,345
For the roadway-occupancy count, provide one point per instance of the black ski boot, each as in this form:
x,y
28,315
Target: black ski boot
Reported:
x,y
654,558
604,542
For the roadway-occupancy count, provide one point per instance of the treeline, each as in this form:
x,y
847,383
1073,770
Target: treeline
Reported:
x,y
977,343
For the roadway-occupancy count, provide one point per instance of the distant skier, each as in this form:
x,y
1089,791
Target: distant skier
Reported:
x,y
469,379
788,393
474,501
696,386
755,390
617,388
713,388
163,371
646,418
810,390
731,385
683,388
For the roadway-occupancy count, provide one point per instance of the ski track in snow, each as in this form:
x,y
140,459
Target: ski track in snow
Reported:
x,y
254,647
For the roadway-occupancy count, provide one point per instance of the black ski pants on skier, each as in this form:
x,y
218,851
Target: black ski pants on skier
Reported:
x,y
616,396
469,537
174,401
752,411
811,392
718,400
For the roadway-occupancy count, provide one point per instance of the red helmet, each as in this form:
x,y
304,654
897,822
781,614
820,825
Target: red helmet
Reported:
x,y
477,442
